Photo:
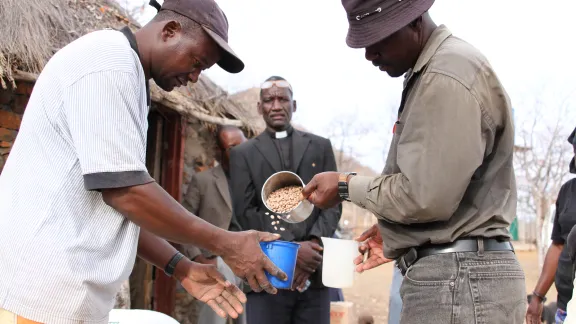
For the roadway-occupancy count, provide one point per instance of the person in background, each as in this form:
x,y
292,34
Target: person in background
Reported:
x,y
208,197
282,148
447,194
81,153
567,258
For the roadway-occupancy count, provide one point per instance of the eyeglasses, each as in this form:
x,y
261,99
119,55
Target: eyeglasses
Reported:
x,y
278,83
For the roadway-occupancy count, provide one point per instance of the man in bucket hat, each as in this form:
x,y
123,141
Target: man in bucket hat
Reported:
x,y
81,154
447,194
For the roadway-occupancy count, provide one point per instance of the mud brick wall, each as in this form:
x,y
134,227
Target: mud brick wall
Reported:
x,y
198,151
12,105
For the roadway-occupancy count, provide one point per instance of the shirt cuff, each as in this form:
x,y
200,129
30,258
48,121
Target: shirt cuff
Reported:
x,y
208,254
358,189
191,251
109,180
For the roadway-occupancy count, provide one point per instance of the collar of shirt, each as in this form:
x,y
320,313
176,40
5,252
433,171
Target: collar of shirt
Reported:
x,y
134,45
439,35
282,134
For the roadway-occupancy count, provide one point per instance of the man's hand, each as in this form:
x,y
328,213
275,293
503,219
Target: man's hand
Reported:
x,y
322,190
247,260
300,277
204,260
208,285
534,311
309,257
372,244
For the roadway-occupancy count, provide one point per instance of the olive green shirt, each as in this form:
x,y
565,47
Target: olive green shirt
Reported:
x,y
449,171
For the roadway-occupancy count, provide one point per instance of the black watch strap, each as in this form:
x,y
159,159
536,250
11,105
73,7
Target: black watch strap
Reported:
x,y
171,266
542,297
343,185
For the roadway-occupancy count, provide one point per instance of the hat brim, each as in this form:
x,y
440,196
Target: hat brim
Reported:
x,y
362,35
229,62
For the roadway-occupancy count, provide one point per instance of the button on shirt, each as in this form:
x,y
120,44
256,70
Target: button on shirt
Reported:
x,y
449,171
65,252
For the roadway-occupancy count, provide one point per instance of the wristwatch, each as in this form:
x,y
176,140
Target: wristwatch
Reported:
x,y
343,185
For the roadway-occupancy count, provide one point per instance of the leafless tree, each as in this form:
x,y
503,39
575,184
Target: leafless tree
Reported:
x,y
541,163
345,131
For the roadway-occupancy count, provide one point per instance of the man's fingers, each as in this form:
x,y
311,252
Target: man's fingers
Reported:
x,y
267,237
297,281
272,269
317,258
359,259
308,268
254,284
312,198
372,262
372,231
264,283
214,305
225,305
236,292
233,301
316,247
309,188
214,273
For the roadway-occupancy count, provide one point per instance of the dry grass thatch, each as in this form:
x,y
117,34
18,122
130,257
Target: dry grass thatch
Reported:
x,y
33,30
248,99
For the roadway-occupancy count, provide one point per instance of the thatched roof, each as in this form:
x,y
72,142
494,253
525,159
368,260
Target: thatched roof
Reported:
x,y
33,30
248,99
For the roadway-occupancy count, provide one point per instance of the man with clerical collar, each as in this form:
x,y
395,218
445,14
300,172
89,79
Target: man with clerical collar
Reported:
x,y
283,148
447,194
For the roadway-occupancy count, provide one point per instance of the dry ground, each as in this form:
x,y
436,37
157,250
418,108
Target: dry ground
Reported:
x,y
371,289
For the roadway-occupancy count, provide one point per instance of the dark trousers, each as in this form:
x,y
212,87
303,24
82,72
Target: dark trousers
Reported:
x,y
289,307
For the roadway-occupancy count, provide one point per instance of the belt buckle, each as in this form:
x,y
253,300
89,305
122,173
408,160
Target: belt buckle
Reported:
x,y
407,260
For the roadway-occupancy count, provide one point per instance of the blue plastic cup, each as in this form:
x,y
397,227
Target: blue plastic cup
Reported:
x,y
284,255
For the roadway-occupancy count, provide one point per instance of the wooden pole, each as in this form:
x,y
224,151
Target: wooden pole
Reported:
x,y
173,168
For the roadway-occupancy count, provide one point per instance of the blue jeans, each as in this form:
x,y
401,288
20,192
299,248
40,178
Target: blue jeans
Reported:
x,y
466,287
395,304
560,316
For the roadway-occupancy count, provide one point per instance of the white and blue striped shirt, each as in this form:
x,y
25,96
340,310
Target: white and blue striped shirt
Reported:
x,y
65,252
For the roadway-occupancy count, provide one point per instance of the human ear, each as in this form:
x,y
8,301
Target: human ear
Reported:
x,y
170,30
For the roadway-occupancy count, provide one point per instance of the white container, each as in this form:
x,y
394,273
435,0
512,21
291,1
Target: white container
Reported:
x,y
139,316
338,269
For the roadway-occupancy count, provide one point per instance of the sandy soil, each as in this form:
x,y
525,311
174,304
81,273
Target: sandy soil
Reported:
x,y
371,289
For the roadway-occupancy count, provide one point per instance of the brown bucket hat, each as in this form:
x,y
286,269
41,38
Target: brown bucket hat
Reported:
x,y
213,20
371,21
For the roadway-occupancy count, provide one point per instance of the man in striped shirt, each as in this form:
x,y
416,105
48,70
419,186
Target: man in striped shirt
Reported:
x,y
77,185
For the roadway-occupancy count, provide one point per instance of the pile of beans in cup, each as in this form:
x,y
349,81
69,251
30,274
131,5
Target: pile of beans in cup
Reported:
x,y
283,201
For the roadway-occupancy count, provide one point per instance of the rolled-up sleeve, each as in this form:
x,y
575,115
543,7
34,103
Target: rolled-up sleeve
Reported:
x,y
108,126
440,147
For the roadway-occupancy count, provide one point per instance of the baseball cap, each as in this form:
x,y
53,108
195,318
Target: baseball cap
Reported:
x,y
370,21
214,22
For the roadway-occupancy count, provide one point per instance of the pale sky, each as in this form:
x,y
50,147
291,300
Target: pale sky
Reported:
x,y
529,43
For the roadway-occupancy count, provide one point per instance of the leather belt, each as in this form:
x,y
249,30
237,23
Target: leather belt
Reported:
x,y
460,245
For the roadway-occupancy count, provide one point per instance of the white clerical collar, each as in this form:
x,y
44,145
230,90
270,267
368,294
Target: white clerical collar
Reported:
x,y
281,134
